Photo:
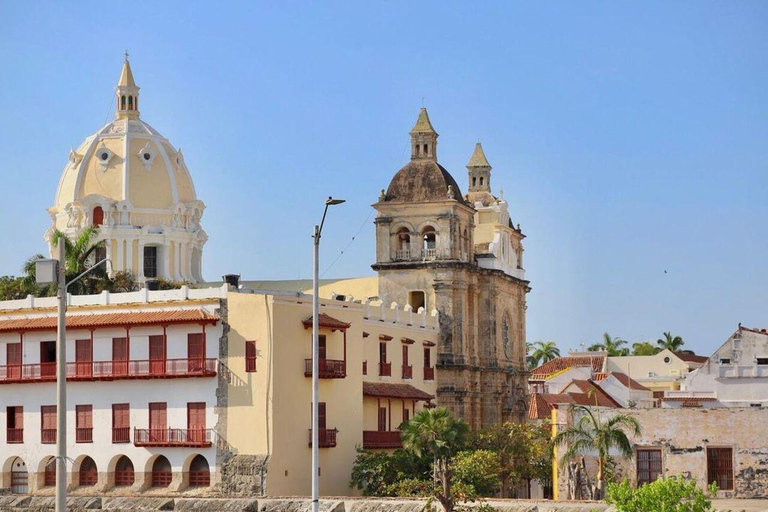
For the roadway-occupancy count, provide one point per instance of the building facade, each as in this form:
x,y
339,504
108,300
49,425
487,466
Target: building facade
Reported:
x,y
131,183
461,256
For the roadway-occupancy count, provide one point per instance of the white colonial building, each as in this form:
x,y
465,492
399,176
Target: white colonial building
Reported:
x,y
129,180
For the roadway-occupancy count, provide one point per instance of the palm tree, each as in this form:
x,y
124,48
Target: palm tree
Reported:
x,y
543,351
673,343
437,433
644,348
590,435
611,345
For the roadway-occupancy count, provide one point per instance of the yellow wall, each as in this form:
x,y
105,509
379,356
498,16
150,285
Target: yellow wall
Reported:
x,y
148,189
108,183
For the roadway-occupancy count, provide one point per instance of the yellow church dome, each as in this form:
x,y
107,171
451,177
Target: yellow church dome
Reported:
x,y
131,183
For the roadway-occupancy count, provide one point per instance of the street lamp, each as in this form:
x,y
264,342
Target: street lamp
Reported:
x,y
315,359
47,272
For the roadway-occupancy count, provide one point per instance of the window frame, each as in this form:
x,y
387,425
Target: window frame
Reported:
x,y
728,477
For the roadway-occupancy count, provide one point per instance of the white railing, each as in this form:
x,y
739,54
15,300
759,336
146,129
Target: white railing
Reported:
x,y
403,254
430,254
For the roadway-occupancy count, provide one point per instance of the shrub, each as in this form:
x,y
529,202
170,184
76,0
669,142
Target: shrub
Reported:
x,y
664,495
479,469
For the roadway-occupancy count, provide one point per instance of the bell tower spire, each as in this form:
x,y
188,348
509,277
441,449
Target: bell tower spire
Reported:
x,y
479,171
423,138
127,93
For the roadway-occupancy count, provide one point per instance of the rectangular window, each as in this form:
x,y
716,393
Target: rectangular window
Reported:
x,y
417,300
150,261
121,423
382,419
120,356
158,421
405,355
648,465
322,347
84,423
762,360
48,424
427,358
13,358
382,352
157,354
321,417
720,467
196,352
250,356
48,359
725,360
83,358
15,424
196,421
406,414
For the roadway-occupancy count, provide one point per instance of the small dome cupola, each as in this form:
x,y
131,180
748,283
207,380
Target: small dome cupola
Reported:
x,y
423,138
479,171
127,93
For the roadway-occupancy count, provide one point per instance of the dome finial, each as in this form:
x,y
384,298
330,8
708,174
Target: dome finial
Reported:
x,y
126,55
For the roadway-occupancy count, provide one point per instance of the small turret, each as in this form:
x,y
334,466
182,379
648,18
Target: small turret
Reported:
x,y
479,171
127,93
423,138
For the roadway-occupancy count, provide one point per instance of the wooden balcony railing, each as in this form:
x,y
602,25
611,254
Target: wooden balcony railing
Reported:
x,y
429,373
121,435
378,439
329,368
385,369
48,436
110,370
408,371
15,435
84,435
326,437
171,437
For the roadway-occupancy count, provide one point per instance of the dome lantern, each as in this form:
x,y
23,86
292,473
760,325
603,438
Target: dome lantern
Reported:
x,y
423,138
127,94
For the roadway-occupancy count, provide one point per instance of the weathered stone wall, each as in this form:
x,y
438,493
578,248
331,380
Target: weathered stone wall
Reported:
x,y
243,475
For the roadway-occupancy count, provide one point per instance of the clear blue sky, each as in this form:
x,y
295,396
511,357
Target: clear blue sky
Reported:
x,y
630,138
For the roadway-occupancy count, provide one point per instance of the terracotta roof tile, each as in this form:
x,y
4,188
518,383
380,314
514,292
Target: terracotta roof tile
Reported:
x,y
541,404
691,358
621,377
328,321
389,390
131,318
602,398
563,363
689,398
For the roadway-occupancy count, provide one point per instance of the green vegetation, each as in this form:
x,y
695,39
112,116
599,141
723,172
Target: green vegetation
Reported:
x,y
591,435
645,348
673,343
611,345
542,351
664,495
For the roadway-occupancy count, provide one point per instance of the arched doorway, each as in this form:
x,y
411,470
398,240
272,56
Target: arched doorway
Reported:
x,y
124,474
49,473
89,473
199,472
98,216
161,472
19,476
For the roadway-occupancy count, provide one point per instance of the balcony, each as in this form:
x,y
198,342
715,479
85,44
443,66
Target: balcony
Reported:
x,y
121,435
408,371
83,435
403,254
430,254
385,369
48,436
172,437
326,437
429,373
15,435
328,368
110,370
373,439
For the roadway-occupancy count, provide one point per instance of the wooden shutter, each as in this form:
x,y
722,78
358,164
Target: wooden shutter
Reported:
x,y
720,467
120,356
121,416
83,357
196,352
13,356
427,358
49,416
157,354
250,356
382,352
322,346
406,413
196,416
382,419
321,416
405,355
158,421
15,417
84,416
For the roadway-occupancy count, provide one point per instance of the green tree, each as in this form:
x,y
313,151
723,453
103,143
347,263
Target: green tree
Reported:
x,y
78,251
591,435
542,351
523,452
663,495
613,346
673,343
378,473
645,348
435,432
479,470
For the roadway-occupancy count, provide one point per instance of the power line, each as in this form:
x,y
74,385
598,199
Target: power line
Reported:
x,y
350,243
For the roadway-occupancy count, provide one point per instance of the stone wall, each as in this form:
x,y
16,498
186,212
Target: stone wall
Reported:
x,y
243,475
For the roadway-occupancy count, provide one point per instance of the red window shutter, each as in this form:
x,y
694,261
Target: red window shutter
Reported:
x,y
322,346
13,353
321,416
195,346
98,216
15,417
382,352
119,349
382,419
84,416
157,354
405,355
120,416
427,358
196,416
158,416
250,356
83,351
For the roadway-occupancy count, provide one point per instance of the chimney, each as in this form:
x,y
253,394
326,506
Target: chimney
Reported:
x,y
232,280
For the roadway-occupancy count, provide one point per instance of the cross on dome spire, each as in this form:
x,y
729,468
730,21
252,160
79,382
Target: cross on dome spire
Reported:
x,y
127,93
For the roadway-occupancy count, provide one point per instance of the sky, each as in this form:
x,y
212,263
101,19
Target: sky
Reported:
x,y
630,138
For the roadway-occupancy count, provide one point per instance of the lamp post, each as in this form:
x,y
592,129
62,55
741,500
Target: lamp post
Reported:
x,y
46,272
315,358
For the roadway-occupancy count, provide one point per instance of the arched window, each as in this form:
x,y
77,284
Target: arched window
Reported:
x,y
418,150
122,102
161,472
49,473
426,149
474,181
403,244
430,238
88,474
98,216
481,181
124,475
199,472
130,102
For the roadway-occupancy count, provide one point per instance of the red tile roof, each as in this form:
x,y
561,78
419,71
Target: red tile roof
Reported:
x,y
691,358
540,407
328,321
131,318
623,378
602,398
689,398
563,363
388,390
